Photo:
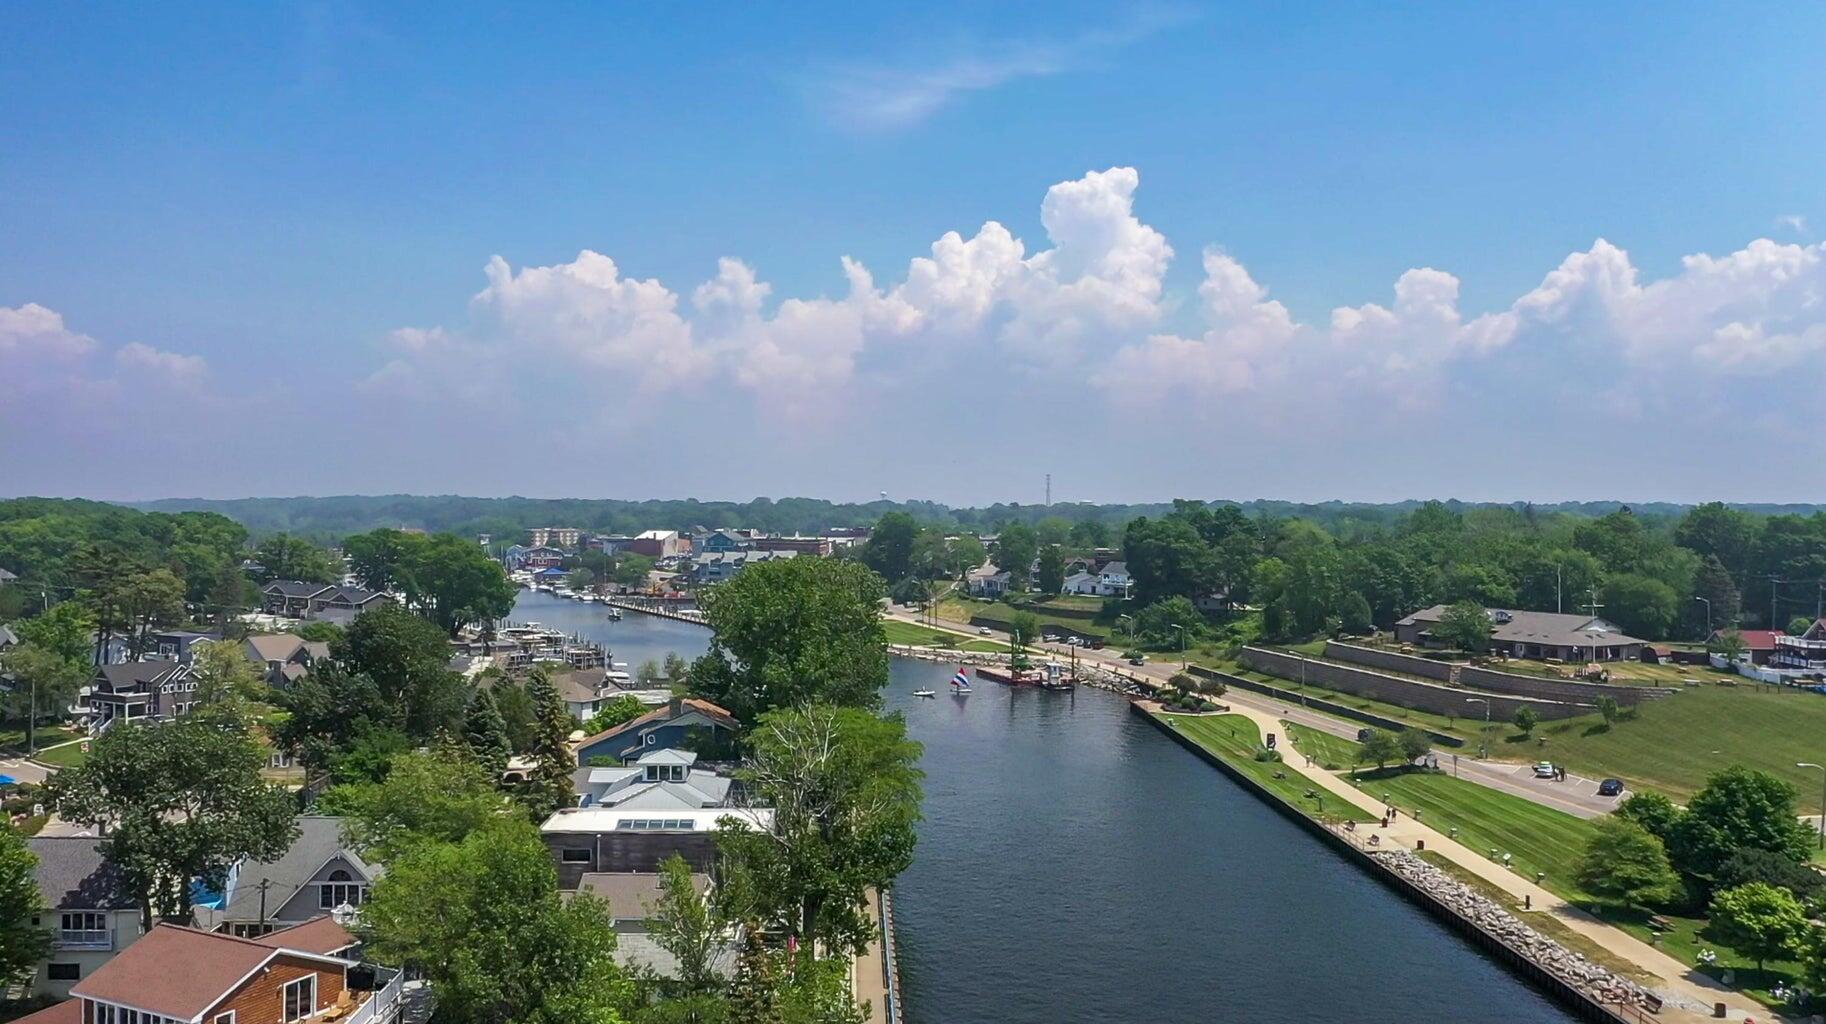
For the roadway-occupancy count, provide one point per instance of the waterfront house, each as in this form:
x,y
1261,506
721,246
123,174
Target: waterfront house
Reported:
x,y
316,875
153,690
283,658
560,536
342,604
586,840
87,909
662,779
542,556
1539,635
813,547
584,690
290,599
178,975
682,724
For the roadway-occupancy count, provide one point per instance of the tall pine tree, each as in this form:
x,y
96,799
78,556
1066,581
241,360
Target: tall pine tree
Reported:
x,y
485,731
549,786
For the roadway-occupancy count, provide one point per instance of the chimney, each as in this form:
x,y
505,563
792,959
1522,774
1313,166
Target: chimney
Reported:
x,y
677,705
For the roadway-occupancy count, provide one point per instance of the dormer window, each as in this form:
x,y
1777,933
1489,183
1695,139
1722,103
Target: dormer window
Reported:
x,y
341,887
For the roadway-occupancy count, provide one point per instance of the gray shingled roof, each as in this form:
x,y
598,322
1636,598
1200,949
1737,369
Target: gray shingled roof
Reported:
x,y
296,588
1513,626
319,839
73,875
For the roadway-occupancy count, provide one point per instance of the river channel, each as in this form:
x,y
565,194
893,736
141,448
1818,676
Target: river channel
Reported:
x,y
1075,865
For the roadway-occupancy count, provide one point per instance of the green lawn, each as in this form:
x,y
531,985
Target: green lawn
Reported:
x,y
1464,728
12,736
1673,744
962,609
1235,739
68,756
1538,838
1332,752
914,635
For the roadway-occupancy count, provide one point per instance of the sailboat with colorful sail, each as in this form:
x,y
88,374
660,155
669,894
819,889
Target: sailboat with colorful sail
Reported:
x,y
960,683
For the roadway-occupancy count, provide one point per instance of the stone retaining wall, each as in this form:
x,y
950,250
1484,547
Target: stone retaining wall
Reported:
x,y
1321,704
1409,693
1390,661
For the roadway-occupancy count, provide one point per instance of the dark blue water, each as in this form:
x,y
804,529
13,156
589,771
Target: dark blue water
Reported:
x,y
1075,865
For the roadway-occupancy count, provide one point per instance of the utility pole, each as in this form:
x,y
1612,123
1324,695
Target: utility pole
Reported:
x,y
265,884
1593,607
1773,580
1558,604
1049,492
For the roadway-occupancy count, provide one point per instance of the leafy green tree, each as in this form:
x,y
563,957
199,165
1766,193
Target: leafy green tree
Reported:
x,y
1526,718
793,631
1739,808
1608,709
1728,645
23,944
485,731
1724,603
43,683
1466,626
453,582
378,558
429,797
182,800
518,713
1798,625
686,925
1168,623
503,947
548,787
1486,586
285,557
146,602
623,709
1653,811
327,710
1758,920
1379,746
1625,863
1089,534
1415,744
581,580
963,554
1642,605
369,757
1052,531
1354,614
1168,558
408,658
67,631
1745,866
889,550
631,570
1015,548
845,790
1051,577
1023,632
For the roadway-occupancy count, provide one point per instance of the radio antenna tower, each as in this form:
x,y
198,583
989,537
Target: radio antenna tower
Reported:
x,y
1049,490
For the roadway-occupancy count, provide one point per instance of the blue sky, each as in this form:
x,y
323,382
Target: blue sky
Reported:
x,y
274,220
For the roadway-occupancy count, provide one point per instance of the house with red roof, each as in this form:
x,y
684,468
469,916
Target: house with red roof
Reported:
x,y
177,975
1759,644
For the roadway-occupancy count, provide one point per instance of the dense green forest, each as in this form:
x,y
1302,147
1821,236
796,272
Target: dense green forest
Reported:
x,y
330,519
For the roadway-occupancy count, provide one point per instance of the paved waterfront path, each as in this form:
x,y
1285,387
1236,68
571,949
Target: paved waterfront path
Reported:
x,y
867,982
1689,994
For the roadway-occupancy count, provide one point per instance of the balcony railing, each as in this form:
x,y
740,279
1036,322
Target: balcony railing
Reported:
x,y
83,938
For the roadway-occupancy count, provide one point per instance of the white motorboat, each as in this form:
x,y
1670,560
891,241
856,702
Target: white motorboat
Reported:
x,y
924,693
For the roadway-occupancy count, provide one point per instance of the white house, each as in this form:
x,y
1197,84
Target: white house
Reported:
x,y
1110,581
987,581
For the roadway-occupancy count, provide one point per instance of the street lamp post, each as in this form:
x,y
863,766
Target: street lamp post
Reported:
x,y
1822,768
1708,605
1483,745
1183,662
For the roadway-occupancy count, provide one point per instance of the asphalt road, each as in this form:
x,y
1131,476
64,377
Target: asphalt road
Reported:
x,y
1576,795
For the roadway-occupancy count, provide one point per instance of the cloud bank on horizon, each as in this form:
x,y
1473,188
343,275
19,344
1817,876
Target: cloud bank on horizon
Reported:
x,y
1595,375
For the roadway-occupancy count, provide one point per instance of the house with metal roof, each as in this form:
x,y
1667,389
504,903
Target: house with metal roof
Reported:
x,y
1537,635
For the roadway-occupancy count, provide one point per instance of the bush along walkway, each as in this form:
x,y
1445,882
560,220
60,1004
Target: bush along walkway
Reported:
x,y
1685,992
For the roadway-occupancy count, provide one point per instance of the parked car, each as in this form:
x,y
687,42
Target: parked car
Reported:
x,y
1543,770
1138,659
1363,734
1610,787
984,631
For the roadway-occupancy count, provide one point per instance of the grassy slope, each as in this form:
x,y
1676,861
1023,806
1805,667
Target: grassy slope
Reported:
x,y
1332,752
1235,739
1538,838
1673,744
962,609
